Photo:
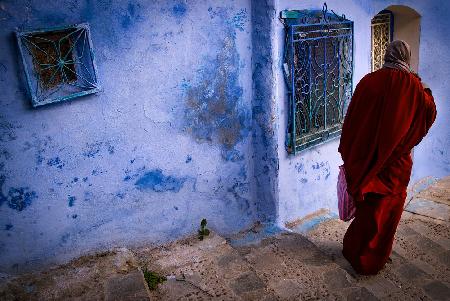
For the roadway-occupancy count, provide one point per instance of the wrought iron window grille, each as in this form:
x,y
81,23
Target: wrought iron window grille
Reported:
x,y
58,63
318,69
382,28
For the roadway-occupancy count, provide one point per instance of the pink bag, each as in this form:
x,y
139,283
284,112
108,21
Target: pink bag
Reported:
x,y
345,201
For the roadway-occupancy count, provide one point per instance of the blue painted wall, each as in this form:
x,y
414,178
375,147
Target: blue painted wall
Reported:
x,y
190,125
265,144
307,181
167,143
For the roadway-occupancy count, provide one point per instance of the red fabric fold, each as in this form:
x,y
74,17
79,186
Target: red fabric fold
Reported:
x,y
389,114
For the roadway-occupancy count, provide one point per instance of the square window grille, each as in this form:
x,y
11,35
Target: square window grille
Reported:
x,y
318,67
58,63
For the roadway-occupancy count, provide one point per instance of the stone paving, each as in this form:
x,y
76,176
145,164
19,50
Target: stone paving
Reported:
x,y
302,262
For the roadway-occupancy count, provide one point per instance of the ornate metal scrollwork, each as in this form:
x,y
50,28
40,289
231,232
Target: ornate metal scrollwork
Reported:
x,y
318,69
381,37
58,63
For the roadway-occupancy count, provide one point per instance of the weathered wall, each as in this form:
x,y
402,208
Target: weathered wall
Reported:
x,y
165,144
307,181
407,28
190,124
265,144
432,155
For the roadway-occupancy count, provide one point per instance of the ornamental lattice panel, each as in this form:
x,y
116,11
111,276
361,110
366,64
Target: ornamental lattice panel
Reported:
x,y
318,66
381,37
58,63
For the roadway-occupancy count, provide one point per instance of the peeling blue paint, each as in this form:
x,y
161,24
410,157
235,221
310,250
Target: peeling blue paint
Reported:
x,y
240,19
3,71
40,145
56,162
85,133
131,16
65,238
214,112
71,201
97,172
121,195
131,175
8,227
92,149
88,196
179,9
155,180
300,167
110,149
3,198
5,154
20,198
7,130
264,135
185,85
243,172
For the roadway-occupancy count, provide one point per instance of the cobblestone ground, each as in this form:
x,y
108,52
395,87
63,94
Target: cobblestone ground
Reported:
x,y
265,263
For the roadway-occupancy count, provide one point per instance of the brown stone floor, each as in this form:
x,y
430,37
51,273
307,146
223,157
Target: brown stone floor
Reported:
x,y
264,264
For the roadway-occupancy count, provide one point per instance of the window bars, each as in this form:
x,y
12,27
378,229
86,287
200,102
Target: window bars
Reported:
x,y
318,67
382,34
58,63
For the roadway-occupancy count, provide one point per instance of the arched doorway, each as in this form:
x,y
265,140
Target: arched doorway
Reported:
x,y
396,22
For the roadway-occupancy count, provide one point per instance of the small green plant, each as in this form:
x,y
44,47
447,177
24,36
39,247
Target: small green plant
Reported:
x,y
153,279
203,230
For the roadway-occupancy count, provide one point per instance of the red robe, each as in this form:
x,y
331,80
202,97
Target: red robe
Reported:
x,y
389,114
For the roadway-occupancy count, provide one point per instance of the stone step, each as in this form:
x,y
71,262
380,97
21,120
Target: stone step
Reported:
x,y
112,275
408,277
424,253
293,268
264,263
203,270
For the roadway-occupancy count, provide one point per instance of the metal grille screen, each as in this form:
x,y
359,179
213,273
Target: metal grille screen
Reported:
x,y
381,37
318,68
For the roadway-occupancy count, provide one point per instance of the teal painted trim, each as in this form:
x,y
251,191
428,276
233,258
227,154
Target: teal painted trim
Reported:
x,y
88,84
314,222
66,98
290,14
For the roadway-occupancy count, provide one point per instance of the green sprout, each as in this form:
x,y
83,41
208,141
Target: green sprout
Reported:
x,y
153,279
203,230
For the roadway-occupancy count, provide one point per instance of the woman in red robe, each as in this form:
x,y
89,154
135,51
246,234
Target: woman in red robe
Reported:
x,y
390,112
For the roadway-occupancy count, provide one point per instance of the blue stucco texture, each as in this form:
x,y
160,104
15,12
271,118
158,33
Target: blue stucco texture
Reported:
x,y
166,143
191,124
307,182
214,112
155,180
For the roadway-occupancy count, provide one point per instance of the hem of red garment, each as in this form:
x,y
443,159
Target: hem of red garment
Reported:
x,y
357,266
